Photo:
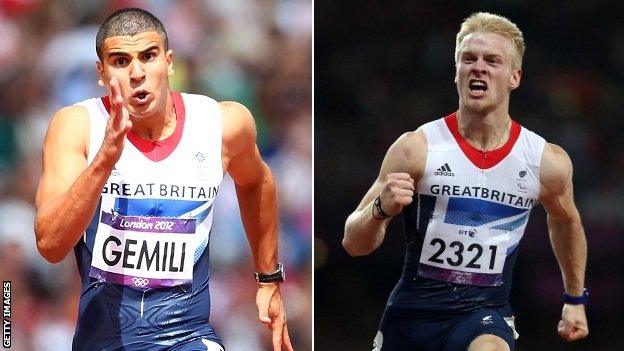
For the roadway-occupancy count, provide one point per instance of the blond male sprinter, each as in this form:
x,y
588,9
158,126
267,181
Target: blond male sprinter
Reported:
x,y
465,185
129,182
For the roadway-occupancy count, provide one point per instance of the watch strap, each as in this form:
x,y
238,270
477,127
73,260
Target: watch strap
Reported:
x,y
277,276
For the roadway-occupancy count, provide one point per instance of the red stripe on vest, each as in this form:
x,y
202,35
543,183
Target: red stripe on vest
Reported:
x,y
158,150
482,159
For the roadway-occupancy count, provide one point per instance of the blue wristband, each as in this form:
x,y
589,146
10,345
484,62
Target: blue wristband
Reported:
x,y
577,300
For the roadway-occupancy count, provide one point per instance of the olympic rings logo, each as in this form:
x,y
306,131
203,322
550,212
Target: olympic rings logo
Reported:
x,y
140,282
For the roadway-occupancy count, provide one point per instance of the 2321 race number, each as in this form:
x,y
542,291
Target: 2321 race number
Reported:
x,y
459,254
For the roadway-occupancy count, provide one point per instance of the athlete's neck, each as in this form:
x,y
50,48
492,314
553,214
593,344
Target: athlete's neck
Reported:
x,y
486,132
159,126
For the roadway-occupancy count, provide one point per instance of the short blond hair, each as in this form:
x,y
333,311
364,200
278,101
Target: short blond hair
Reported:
x,y
491,23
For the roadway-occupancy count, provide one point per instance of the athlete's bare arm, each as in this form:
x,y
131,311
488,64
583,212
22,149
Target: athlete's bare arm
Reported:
x,y
255,189
400,171
69,190
566,235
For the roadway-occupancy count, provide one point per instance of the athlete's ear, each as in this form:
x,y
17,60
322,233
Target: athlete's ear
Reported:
x,y
100,72
514,80
169,58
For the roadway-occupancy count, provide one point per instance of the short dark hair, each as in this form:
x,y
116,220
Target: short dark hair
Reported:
x,y
129,21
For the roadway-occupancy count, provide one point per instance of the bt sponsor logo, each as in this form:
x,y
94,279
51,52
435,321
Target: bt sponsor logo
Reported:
x,y
470,232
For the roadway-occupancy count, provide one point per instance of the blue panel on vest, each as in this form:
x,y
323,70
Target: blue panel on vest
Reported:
x,y
476,212
513,224
200,217
93,225
155,207
512,248
426,205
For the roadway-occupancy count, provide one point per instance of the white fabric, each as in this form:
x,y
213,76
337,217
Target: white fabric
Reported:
x,y
480,214
190,175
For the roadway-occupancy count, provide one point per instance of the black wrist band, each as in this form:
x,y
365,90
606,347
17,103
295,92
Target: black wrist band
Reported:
x,y
377,205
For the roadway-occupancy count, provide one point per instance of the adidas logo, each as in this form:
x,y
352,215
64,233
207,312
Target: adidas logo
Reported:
x,y
445,170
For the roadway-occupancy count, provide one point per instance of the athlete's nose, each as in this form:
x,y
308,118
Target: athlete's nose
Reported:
x,y
137,73
479,67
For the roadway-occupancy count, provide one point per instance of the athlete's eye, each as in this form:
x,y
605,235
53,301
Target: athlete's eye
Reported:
x,y
148,56
121,61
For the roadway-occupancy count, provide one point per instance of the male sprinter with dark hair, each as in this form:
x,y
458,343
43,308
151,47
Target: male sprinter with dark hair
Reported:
x,y
465,185
129,182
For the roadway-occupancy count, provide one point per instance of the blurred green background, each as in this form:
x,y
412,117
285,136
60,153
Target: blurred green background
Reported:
x,y
256,52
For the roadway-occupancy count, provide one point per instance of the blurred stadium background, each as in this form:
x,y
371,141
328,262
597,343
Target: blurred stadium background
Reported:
x,y
254,52
383,68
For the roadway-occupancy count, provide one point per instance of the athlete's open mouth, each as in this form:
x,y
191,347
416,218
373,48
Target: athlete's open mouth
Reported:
x,y
477,85
140,96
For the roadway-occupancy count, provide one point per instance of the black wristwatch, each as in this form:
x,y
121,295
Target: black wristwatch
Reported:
x,y
277,276
577,300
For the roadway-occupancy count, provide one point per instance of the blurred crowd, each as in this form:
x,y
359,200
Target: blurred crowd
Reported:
x,y
388,68
254,52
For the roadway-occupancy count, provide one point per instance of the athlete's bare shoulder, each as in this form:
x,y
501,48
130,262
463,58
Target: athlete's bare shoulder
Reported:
x,y
64,152
71,114
69,126
237,120
238,129
407,154
413,144
555,171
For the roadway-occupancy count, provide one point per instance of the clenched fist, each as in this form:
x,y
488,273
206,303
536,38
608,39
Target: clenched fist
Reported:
x,y
573,323
397,191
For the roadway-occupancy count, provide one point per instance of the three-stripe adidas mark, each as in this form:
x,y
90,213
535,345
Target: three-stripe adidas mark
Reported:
x,y
444,170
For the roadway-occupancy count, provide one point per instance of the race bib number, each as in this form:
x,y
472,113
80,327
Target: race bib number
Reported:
x,y
144,252
463,255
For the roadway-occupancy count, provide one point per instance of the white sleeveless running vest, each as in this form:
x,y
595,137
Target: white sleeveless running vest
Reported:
x,y
154,219
480,202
